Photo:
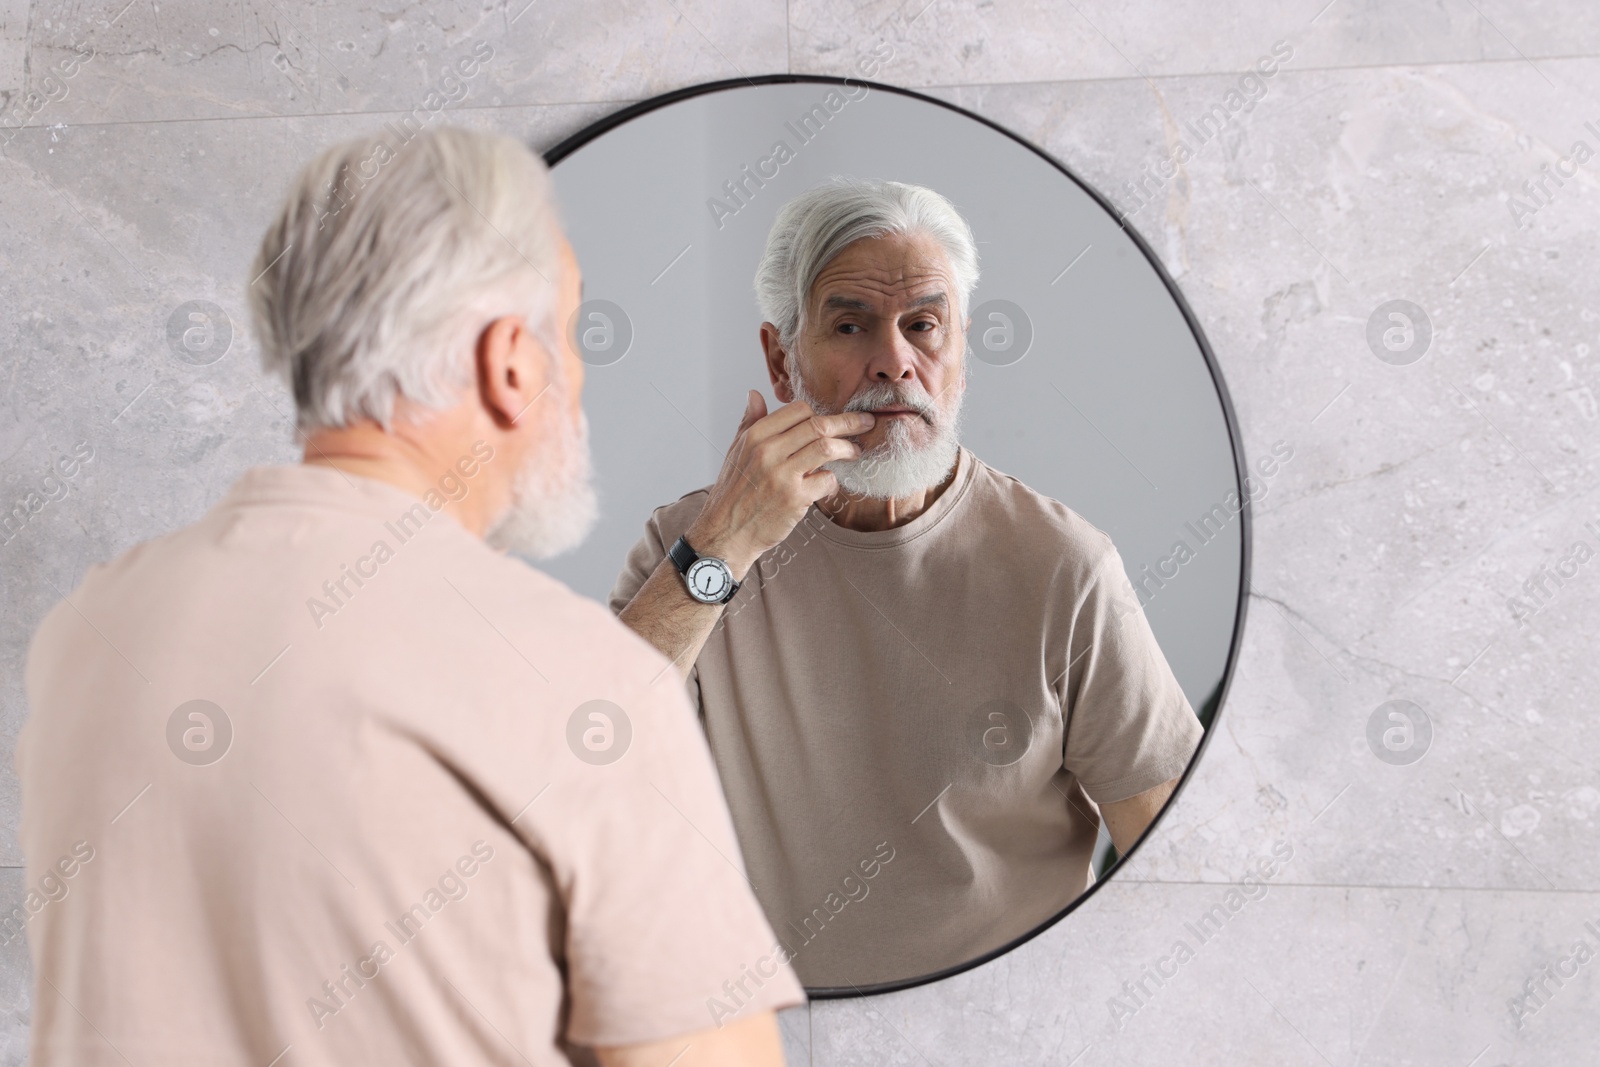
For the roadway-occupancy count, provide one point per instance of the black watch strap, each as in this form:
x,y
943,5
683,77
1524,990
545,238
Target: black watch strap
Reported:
x,y
683,557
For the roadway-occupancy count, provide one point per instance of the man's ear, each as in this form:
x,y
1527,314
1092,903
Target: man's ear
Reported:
x,y
513,369
777,363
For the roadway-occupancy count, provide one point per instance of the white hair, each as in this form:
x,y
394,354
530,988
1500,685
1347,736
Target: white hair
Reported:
x,y
814,227
391,254
554,505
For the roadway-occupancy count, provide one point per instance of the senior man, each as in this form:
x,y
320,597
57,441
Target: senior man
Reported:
x,y
325,778
924,684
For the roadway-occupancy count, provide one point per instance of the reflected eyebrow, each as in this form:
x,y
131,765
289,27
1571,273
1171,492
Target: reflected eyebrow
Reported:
x,y
852,304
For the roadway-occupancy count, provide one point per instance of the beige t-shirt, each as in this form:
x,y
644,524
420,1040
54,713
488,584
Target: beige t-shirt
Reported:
x,y
910,723
399,857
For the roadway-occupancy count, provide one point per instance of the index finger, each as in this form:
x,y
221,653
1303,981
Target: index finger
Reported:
x,y
844,424
820,427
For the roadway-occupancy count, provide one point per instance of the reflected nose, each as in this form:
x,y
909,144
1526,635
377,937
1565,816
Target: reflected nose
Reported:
x,y
893,362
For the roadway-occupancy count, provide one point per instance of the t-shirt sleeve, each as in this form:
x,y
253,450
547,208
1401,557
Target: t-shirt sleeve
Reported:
x,y
660,530
1129,726
642,561
664,935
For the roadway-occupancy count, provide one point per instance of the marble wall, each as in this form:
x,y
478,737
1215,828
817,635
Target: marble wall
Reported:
x,y
1439,476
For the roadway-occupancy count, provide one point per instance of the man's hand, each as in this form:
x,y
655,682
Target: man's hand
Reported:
x,y
770,477
768,480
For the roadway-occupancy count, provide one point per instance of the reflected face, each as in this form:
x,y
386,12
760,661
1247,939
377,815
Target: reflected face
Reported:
x,y
881,317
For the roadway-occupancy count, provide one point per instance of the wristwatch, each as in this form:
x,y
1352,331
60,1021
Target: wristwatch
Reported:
x,y
708,578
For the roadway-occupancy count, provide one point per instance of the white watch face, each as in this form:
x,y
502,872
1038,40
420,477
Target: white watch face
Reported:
x,y
709,580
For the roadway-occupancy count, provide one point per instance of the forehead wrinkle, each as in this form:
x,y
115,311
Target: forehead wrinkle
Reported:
x,y
890,290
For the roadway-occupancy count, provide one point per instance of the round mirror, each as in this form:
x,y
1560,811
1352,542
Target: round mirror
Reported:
x,y
931,735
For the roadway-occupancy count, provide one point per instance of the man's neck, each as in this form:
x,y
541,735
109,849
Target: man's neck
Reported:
x,y
412,463
868,515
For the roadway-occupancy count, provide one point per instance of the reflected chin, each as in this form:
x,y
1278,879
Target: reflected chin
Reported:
x,y
899,466
911,455
554,505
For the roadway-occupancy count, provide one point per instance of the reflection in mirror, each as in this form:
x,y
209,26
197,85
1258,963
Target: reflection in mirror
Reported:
x,y
913,463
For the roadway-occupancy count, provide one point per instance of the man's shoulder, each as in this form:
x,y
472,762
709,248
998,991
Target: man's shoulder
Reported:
x,y
1024,519
105,581
534,601
670,520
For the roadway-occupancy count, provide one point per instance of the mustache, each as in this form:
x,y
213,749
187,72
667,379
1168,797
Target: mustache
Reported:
x,y
892,394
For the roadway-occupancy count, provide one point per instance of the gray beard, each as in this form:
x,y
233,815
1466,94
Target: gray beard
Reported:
x,y
554,505
897,467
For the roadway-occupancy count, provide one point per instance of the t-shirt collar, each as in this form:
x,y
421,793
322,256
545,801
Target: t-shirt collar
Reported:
x,y
315,484
949,500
